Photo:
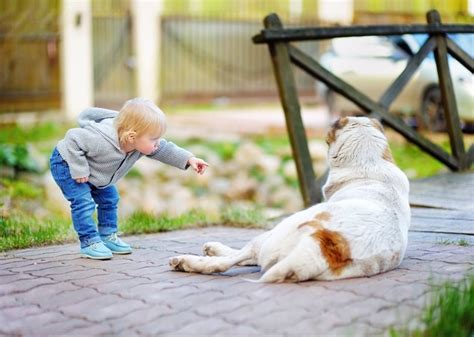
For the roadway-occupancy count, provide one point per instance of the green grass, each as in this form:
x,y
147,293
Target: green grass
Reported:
x,y
240,217
410,158
141,222
21,231
460,242
40,132
449,313
20,189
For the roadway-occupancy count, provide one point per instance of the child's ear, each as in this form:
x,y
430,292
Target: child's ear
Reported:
x,y
132,136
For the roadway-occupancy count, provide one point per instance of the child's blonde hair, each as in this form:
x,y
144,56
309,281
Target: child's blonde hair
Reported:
x,y
141,116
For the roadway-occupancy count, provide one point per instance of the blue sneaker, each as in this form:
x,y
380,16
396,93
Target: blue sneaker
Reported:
x,y
116,245
96,251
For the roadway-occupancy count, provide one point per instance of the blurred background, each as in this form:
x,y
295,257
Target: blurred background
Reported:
x,y
196,60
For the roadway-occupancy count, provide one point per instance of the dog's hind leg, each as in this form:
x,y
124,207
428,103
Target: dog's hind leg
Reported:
x,y
304,262
219,249
210,264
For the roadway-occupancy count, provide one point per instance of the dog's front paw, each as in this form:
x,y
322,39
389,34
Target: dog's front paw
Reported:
x,y
177,263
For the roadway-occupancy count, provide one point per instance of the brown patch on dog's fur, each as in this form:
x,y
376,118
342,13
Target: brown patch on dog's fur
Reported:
x,y
387,155
323,216
339,124
335,249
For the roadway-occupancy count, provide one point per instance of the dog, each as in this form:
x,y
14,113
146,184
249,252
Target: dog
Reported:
x,y
360,230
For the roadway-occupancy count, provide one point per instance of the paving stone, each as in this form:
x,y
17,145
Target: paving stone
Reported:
x,y
104,307
78,275
9,315
8,301
120,286
23,285
63,326
389,316
204,326
66,298
405,292
15,278
140,317
32,324
49,291
168,323
315,324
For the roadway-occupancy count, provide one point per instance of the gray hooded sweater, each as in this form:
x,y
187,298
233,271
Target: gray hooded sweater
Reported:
x,y
93,150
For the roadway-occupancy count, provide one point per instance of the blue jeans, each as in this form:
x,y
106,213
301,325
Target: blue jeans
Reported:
x,y
84,199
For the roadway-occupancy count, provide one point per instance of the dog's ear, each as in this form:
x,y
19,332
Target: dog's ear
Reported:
x,y
376,123
339,124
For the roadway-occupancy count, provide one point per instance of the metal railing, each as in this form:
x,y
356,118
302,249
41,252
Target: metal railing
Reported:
x,y
283,54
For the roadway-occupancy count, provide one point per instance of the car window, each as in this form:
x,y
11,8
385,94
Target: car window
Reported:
x,y
465,41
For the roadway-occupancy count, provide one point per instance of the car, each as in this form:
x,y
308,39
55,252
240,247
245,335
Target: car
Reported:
x,y
372,63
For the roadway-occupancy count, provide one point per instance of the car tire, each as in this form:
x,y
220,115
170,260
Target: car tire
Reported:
x,y
431,116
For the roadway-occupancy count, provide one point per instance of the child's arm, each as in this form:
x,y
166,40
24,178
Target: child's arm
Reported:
x,y
96,115
171,154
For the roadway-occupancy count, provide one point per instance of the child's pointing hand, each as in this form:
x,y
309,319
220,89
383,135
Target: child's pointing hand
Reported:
x,y
198,164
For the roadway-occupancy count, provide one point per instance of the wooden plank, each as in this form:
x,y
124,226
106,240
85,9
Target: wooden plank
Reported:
x,y
447,191
447,93
319,33
313,68
397,86
294,123
459,54
452,239
442,221
470,156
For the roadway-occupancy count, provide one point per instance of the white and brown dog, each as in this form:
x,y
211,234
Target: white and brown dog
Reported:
x,y
360,230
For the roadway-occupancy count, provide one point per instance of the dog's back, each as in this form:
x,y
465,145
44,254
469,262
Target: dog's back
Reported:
x,y
362,228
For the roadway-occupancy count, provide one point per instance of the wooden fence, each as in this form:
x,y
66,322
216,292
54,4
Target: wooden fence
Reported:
x,y
283,54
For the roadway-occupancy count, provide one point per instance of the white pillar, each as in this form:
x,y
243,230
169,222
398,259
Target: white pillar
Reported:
x,y
296,10
76,57
336,11
146,37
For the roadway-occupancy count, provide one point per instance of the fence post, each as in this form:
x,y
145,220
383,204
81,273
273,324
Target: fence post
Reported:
x,y
146,39
447,93
289,99
76,57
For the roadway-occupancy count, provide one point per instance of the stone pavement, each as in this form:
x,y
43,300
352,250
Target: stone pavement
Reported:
x,y
51,291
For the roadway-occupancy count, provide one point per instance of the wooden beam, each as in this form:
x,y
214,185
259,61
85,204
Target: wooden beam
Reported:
x,y
448,97
313,68
289,99
318,33
459,54
397,86
470,156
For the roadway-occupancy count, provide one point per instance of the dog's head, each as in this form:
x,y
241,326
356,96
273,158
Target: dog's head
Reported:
x,y
357,141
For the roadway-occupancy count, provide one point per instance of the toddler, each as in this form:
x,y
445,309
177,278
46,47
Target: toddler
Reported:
x,y
88,162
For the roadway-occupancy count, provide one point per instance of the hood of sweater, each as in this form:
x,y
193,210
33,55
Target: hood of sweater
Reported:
x,y
101,121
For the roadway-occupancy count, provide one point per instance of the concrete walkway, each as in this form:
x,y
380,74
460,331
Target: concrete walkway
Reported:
x,y
52,291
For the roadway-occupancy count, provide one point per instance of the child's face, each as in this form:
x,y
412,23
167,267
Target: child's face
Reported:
x,y
147,143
